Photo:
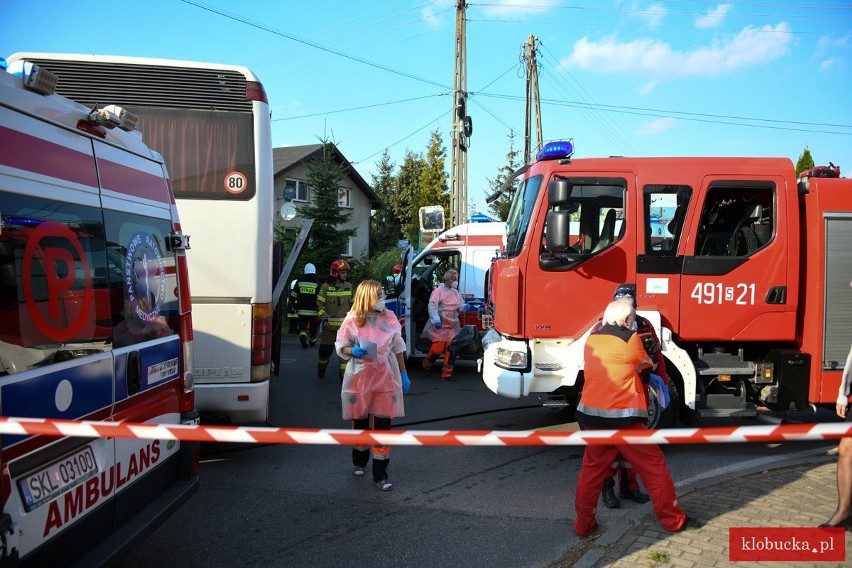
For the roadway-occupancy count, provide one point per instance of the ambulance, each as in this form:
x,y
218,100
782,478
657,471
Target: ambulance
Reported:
x,y
95,324
468,248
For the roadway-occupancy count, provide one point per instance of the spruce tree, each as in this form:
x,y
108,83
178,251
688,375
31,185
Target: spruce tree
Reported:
x,y
327,240
386,226
500,207
805,162
408,188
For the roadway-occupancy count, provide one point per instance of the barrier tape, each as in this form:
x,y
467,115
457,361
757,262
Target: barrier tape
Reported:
x,y
266,435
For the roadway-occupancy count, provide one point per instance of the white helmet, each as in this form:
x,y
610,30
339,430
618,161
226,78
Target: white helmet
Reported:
x,y
310,269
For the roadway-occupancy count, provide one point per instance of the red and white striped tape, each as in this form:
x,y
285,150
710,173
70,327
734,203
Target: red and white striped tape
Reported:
x,y
262,435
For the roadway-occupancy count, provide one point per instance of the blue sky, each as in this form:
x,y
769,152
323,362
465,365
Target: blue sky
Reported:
x,y
642,78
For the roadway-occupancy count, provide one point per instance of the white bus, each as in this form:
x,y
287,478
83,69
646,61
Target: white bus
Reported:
x,y
212,125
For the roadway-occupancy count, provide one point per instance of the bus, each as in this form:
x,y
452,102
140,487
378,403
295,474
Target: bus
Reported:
x,y
212,125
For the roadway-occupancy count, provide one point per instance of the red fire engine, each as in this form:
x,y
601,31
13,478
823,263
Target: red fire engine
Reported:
x,y
748,285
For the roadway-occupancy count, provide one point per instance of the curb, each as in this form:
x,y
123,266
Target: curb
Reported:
x,y
613,534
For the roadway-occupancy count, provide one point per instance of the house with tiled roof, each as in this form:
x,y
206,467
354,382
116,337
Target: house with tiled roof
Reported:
x,y
290,173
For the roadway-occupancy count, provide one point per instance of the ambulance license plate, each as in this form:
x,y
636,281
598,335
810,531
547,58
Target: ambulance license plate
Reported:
x,y
53,480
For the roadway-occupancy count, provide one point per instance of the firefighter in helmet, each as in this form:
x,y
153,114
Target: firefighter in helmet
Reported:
x,y
304,297
334,300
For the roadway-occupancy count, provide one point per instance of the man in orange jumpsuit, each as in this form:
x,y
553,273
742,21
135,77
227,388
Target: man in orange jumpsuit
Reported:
x,y
614,398
628,484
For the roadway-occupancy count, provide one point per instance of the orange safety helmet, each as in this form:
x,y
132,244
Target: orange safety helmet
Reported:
x,y
337,266
397,268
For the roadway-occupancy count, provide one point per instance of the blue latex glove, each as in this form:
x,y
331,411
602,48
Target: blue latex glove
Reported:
x,y
437,323
406,384
359,351
658,384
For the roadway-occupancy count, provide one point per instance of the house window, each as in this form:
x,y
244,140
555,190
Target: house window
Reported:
x,y
296,190
344,195
348,250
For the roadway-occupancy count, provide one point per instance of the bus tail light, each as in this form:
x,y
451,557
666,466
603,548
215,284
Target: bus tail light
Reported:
x,y
255,92
261,341
187,399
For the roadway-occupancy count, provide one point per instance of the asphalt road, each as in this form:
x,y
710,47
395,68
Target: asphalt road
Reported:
x,y
494,507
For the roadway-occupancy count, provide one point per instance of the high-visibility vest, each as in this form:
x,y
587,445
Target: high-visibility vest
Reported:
x,y
613,392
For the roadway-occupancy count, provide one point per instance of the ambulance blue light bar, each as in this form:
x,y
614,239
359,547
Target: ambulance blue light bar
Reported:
x,y
556,151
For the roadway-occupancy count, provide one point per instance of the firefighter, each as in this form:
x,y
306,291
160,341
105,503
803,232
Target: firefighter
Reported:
x,y
304,296
370,339
628,484
445,305
334,301
292,316
614,397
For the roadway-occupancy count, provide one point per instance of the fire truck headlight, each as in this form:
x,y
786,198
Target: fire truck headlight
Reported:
x,y
512,360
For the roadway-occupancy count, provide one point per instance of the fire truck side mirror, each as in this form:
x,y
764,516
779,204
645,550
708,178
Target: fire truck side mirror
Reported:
x,y
559,191
556,236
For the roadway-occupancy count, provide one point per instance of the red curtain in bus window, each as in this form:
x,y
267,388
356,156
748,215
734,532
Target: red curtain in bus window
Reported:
x,y
201,148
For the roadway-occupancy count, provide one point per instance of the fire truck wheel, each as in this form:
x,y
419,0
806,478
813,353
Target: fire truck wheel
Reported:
x,y
668,418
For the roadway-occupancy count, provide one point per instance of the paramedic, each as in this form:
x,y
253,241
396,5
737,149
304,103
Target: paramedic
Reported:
x,y
370,340
614,398
445,305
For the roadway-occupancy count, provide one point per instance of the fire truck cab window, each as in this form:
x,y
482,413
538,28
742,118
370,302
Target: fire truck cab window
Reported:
x,y
665,210
592,220
735,221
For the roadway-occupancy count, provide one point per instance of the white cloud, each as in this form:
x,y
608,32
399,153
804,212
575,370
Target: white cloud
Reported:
x,y
647,87
435,13
831,64
656,126
657,60
713,18
518,9
654,14
829,43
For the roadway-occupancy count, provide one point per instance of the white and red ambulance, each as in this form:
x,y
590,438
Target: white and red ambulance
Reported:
x,y
95,324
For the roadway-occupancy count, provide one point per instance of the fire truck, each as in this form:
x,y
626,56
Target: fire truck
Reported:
x,y
748,286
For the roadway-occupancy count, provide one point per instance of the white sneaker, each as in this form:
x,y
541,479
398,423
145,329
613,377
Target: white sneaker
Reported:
x,y
358,471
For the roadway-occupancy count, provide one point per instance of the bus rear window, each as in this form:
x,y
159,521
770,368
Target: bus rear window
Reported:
x,y
209,154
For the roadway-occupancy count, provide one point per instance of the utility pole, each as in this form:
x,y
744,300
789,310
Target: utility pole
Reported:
x,y
533,101
462,124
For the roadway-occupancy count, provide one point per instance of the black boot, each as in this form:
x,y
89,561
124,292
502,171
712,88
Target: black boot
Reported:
x,y
635,495
610,501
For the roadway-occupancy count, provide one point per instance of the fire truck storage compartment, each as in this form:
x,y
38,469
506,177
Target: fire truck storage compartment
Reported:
x,y
792,369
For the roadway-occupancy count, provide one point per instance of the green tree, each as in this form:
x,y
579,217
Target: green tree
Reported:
x,y
386,225
408,190
500,207
327,240
434,189
805,162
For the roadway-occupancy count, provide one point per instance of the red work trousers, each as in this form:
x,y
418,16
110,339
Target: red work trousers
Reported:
x,y
648,461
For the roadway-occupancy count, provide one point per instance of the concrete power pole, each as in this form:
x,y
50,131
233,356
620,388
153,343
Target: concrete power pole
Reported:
x,y
462,124
533,101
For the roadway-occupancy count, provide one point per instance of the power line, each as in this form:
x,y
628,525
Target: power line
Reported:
x,y
657,11
386,103
313,44
403,139
696,117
